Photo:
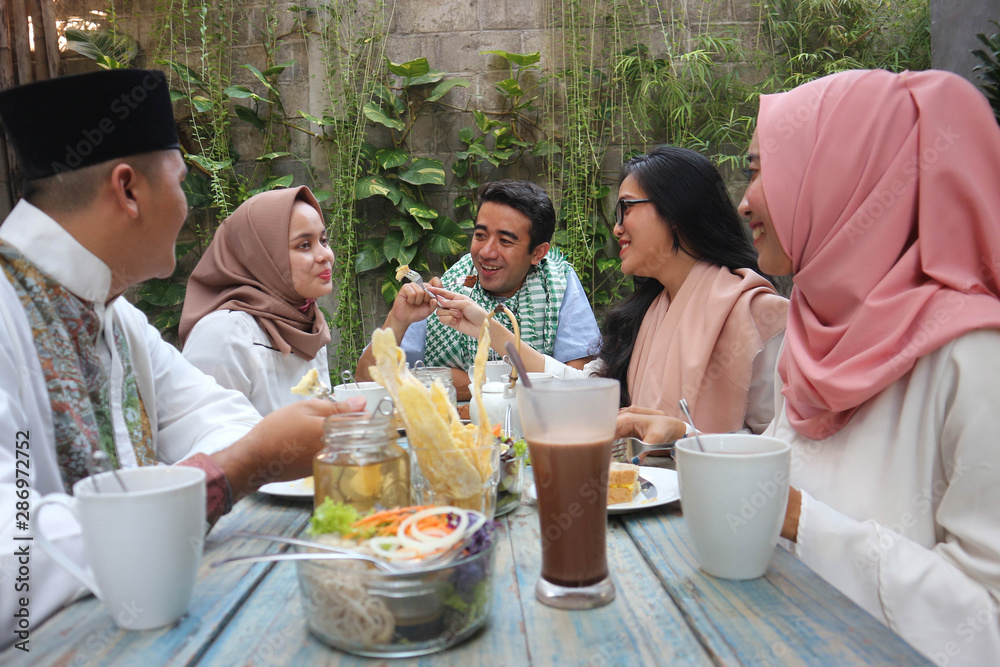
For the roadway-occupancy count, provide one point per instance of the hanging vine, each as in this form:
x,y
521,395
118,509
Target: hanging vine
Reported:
x,y
352,46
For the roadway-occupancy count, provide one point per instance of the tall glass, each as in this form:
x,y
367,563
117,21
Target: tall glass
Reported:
x,y
569,426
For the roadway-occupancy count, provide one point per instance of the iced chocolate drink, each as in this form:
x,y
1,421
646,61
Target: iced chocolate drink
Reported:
x,y
569,426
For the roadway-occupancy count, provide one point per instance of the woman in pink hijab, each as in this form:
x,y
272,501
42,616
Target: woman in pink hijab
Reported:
x,y
250,317
880,193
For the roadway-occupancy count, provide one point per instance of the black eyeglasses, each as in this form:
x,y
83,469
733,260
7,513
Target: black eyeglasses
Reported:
x,y
623,205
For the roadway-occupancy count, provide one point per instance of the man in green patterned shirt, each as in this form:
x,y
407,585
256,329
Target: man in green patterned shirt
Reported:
x,y
510,254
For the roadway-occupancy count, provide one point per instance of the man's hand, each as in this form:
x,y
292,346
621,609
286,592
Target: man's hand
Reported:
x,y
460,312
412,304
281,446
648,425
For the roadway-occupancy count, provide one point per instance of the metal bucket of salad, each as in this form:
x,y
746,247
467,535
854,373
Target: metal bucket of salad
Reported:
x,y
439,591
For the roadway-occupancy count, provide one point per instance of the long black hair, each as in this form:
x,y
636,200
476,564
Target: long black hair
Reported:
x,y
691,199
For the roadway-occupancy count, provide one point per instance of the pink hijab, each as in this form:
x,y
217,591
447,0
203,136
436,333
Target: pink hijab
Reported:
x,y
247,268
884,190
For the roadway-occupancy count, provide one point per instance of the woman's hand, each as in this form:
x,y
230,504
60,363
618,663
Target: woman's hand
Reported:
x,y
459,312
648,425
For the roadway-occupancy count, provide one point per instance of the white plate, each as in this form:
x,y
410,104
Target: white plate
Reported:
x,y
299,489
663,479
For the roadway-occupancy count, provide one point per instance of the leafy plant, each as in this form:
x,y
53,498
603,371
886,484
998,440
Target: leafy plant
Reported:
x,y
989,70
399,177
498,139
111,50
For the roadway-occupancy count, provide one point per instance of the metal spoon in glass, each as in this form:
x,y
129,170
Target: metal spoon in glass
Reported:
x,y
687,413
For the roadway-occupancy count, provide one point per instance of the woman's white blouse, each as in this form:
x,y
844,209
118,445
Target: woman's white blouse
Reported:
x,y
230,346
901,508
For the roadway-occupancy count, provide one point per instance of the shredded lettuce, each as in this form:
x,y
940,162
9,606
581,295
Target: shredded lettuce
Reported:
x,y
520,448
332,517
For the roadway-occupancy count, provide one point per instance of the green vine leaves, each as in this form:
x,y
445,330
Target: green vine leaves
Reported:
x,y
417,231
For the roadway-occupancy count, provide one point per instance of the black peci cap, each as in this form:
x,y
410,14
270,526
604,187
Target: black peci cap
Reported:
x,y
70,122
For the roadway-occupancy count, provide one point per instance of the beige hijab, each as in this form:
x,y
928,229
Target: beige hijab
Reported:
x,y
247,268
702,345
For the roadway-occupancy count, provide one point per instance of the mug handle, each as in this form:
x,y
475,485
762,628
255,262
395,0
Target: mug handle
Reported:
x,y
55,554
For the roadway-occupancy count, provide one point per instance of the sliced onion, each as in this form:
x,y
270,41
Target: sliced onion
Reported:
x,y
423,539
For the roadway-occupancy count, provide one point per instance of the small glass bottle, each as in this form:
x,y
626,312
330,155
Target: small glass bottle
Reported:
x,y
427,375
362,464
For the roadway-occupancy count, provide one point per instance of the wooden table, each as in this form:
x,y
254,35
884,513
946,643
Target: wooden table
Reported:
x,y
667,612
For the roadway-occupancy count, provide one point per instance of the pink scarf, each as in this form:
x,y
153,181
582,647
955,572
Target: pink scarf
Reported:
x,y
247,268
884,190
701,345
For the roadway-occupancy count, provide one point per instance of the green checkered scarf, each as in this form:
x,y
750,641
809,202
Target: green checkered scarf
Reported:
x,y
536,306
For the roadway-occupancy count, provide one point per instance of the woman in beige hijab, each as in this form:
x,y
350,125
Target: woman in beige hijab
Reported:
x,y
250,316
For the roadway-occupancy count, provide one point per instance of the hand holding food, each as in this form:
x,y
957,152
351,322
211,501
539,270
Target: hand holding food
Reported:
x,y
310,386
460,312
412,303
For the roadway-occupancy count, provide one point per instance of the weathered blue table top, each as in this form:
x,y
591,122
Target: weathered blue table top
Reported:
x,y
667,612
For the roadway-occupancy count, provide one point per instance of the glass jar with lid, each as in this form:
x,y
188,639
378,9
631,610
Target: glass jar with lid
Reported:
x,y
427,375
361,463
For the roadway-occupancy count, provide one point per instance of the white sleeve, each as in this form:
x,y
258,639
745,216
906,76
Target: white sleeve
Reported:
x,y
560,370
194,414
760,395
943,599
221,345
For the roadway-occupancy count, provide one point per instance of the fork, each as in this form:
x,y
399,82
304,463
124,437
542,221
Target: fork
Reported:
x,y
634,450
415,278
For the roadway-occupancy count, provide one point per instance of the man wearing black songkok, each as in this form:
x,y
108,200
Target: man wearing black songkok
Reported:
x,y
80,368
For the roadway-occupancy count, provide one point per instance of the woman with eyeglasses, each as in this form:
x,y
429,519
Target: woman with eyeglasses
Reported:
x,y
702,324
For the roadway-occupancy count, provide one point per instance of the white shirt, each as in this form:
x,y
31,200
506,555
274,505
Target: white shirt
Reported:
x,y
760,394
192,413
901,508
233,348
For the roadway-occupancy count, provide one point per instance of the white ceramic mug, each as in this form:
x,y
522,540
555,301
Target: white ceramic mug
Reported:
x,y
143,545
733,496
373,392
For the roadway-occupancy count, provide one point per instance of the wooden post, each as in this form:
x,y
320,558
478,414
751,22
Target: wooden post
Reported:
x,y
46,40
8,166
19,40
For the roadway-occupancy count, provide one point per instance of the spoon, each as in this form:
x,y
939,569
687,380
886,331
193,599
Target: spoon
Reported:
x,y
687,413
329,552
100,460
322,555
